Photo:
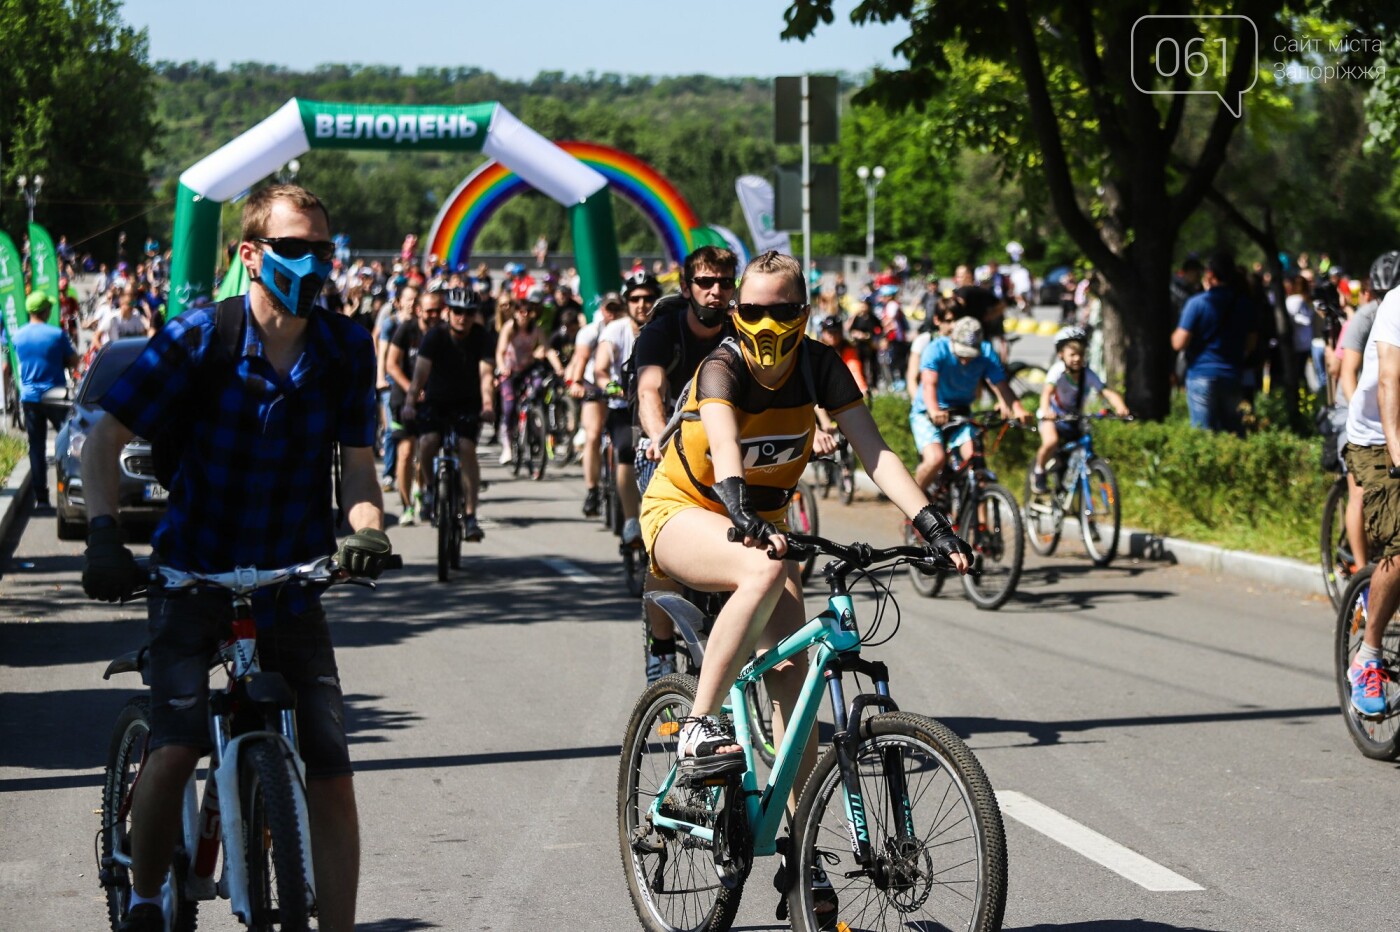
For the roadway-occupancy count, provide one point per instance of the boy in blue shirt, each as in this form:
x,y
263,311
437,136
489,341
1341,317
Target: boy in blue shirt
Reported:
x,y
951,372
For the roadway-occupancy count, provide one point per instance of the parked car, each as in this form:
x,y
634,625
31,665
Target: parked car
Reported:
x,y
140,498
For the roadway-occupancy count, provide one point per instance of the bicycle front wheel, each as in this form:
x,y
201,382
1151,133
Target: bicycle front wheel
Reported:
x,y
802,519
635,568
537,441
671,875
272,844
446,523
848,477
1043,523
1336,548
1100,512
1376,738
992,525
935,834
758,705
125,756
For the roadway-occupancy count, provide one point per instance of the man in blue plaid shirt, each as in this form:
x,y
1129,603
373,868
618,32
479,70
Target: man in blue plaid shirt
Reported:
x,y
252,488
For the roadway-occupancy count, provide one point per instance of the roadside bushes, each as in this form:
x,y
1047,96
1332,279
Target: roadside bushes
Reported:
x,y
1263,494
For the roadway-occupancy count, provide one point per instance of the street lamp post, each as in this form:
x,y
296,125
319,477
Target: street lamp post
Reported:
x,y
872,179
30,192
289,171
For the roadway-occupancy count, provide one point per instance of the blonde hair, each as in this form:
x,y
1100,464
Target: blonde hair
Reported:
x,y
258,209
773,262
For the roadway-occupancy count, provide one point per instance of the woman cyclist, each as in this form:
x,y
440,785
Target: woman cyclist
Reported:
x,y
520,344
746,435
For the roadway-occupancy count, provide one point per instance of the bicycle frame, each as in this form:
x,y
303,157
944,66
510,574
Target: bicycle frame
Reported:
x,y
836,638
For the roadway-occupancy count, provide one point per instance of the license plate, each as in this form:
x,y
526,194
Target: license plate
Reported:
x,y
155,492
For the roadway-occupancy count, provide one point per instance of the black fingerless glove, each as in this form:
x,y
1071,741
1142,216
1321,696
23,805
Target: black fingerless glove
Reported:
x,y
364,553
734,493
110,572
938,533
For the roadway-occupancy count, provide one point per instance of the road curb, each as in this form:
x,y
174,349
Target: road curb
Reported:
x,y
12,495
1143,545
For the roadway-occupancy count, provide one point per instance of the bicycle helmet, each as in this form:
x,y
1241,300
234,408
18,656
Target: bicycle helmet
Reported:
x,y
1070,335
1385,272
641,280
464,298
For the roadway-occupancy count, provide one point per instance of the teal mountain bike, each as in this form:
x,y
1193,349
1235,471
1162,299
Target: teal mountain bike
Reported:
x,y
898,813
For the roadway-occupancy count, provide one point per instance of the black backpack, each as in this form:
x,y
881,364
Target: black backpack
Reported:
x,y
222,355
168,447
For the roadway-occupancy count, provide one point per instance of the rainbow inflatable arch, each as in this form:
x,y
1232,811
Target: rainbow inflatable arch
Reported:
x,y
485,190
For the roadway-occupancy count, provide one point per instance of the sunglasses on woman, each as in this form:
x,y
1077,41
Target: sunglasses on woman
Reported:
x,y
782,313
294,247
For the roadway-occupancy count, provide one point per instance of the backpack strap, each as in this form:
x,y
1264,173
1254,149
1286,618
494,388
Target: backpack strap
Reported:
x,y
229,317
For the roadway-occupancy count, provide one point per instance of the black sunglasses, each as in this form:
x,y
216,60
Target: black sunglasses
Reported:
x,y
782,313
709,281
641,296
294,247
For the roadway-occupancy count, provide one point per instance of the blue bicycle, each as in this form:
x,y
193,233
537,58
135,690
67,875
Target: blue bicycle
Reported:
x,y
898,815
1082,484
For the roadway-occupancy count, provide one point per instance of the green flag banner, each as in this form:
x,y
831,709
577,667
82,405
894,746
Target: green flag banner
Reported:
x,y
43,267
391,126
12,314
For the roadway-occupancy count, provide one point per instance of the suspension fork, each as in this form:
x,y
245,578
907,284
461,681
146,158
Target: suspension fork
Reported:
x,y
847,744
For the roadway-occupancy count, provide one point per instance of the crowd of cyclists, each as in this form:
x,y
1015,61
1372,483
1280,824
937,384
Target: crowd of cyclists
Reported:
x,y
701,408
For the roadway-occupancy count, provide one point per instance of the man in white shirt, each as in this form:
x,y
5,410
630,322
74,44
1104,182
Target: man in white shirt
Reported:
x,y
1372,452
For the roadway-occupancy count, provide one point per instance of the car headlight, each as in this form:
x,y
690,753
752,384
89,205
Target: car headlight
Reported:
x,y
75,445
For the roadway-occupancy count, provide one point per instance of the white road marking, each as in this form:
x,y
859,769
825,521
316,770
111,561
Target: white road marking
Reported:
x,y
1098,848
570,570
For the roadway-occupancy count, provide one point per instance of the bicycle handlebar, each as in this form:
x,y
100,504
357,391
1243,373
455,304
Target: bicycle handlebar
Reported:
x,y
245,580
854,556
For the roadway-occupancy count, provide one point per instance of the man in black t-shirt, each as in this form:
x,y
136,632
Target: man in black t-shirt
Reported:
x,y
682,331
982,304
454,373
399,365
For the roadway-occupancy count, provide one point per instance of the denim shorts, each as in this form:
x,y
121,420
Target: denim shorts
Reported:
x,y
185,630
926,432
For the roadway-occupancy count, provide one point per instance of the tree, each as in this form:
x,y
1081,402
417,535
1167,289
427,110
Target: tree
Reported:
x,y
77,109
1049,87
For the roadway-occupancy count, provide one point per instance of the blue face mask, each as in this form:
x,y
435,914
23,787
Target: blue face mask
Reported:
x,y
295,283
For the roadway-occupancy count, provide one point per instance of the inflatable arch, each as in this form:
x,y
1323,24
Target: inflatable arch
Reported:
x,y
487,189
302,125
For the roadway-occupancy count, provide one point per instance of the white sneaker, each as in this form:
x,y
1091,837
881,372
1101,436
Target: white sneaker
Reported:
x,y
506,457
631,532
409,517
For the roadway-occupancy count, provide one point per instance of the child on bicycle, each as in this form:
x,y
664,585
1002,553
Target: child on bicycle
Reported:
x,y
1062,398
951,372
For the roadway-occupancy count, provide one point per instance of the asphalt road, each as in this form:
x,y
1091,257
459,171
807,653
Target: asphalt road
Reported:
x,y
1187,718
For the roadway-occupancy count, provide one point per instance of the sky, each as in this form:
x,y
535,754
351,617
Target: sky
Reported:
x,y
515,40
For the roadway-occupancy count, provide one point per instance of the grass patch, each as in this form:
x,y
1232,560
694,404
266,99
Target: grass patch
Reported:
x,y
12,449
1262,494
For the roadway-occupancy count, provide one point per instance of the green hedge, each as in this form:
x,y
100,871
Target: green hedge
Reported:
x,y
1263,494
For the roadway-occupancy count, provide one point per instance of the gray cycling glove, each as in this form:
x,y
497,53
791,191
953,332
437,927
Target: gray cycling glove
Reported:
x,y
364,553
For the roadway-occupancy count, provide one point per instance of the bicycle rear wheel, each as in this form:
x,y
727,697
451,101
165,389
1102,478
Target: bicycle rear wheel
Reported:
x,y
802,518
671,876
1337,557
848,476
934,827
125,756
758,705
998,546
1379,738
1100,512
277,885
1043,523
634,566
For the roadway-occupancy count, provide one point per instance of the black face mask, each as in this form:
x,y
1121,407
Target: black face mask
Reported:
x,y
708,316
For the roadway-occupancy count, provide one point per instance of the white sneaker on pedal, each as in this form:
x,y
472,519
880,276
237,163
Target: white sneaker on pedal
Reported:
x,y
631,532
506,457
